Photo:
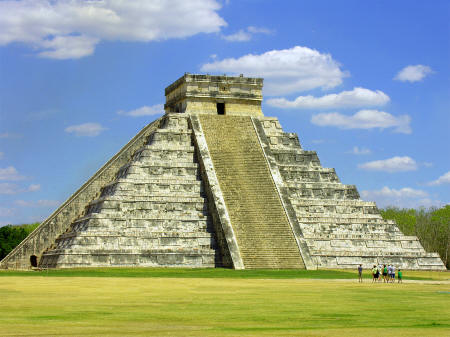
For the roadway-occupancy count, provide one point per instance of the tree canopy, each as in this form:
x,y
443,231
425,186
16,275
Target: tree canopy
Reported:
x,y
431,226
11,236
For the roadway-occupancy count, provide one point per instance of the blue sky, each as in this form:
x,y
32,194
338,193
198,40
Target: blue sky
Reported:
x,y
365,84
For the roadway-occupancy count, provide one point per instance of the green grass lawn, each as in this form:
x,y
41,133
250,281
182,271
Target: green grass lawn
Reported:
x,y
211,302
218,273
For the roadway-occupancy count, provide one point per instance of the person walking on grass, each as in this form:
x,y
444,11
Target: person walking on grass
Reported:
x,y
374,274
393,273
360,269
389,273
400,276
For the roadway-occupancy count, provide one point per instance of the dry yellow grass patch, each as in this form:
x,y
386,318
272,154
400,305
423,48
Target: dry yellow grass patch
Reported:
x,y
105,306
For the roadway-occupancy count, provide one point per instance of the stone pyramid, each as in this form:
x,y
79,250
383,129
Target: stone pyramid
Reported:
x,y
216,183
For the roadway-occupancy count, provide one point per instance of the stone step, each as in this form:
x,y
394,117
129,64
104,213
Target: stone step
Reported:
x,y
174,132
134,250
396,237
168,180
338,218
171,192
344,221
109,206
363,231
169,152
154,207
149,217
162,146
257,216
335,217
330,215
370,253
313,174
403,262
150,185
143,165
152,150
133,234
294,185
145,214
302,168
115,200
340,193
149,153
304,158
164,259
332,202
329,228
136,227
367,246
134,173
111,243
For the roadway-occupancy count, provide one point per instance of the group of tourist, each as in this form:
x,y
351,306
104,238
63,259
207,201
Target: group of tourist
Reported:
x,y
383,272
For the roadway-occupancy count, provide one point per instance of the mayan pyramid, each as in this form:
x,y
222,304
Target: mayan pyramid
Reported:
x,y
215,183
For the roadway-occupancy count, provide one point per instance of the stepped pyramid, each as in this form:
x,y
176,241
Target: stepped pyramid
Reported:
x,y
216,183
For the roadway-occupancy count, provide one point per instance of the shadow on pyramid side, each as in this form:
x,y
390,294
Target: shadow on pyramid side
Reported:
x,y
214,183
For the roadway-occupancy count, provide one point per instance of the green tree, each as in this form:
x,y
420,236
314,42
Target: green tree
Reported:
x,y
405,218
11,236
440,222
431,226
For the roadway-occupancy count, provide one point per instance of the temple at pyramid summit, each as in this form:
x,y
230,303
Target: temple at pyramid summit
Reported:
x,y
215,183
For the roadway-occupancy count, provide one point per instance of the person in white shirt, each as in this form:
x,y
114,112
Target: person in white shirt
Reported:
x,y
393,274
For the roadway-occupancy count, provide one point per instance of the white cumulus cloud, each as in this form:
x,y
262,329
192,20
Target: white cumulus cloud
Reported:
x,y
34,187
358,97
405,192
4,212
413,73
68,47
443,179
360,150
394,164
64,29
10,189
244,35
239,36
364,119
403,197
37,203
284,71
259,30
156,109
85,130
10,173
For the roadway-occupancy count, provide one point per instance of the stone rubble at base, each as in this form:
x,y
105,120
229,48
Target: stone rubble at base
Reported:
x,y
198,189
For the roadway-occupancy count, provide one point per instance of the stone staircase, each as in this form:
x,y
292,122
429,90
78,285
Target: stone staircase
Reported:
x,y
339,229
154,213
262,230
